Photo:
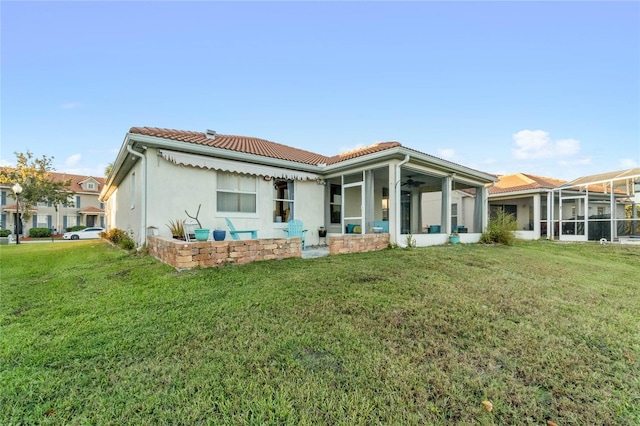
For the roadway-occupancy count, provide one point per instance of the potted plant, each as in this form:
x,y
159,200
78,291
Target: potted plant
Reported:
x,y
177,229
454,238
219,234
322,232
202,234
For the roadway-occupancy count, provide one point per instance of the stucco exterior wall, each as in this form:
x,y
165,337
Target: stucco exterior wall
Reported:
x,y
176,188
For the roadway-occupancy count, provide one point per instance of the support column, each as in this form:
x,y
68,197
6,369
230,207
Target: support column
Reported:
x,y
445,220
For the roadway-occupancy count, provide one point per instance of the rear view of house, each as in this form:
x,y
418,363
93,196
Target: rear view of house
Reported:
x,y
262,185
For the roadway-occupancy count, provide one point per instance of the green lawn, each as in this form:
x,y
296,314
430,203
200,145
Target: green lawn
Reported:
x,y
92,335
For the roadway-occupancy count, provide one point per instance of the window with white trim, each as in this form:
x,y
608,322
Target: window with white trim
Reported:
x,y
72,221
283,200
42,221
91,185
236,193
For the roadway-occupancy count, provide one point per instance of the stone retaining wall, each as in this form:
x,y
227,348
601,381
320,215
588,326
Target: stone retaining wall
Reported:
x,y
184,255
357,243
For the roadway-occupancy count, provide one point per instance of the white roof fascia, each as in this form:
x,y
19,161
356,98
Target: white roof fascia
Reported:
x,y
523,192
446,166
599,182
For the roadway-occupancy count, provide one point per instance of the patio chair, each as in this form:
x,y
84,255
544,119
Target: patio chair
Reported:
x,y
234,232
189,231
295,230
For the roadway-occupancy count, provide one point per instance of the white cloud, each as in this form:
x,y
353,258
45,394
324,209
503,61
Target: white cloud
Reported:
x,y
447,153
533,144
71,105
73,160
586,161
5,163
627,163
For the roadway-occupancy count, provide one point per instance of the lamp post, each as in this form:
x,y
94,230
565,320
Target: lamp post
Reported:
x,y
17,190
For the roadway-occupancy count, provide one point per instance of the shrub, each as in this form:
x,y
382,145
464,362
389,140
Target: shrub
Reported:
x,y
120,238
501,229
39,232
5,232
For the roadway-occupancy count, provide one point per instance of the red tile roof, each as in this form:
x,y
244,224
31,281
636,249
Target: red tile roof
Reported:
x,y
91,210
256,146
75,181
523,182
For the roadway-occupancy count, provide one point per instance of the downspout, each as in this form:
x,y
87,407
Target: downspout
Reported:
x,y
143,208
398,200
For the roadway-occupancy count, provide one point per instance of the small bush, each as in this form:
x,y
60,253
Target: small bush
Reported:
x,y
5,232
120,238
39,232
501,229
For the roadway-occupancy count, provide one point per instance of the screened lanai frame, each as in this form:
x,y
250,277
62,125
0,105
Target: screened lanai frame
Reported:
x,y
599,207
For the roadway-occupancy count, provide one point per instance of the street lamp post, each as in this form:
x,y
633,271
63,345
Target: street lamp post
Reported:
x,y
17,190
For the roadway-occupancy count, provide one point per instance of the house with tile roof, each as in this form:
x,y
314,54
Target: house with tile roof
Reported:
x,y
586,209
261,185
87,210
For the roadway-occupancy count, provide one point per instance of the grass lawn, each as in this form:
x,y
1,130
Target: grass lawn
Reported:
x,y
92,335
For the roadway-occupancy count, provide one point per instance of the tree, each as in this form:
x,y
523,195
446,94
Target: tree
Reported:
x,y
37,183
107,170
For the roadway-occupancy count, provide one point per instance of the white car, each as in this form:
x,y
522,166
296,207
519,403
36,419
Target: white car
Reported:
x,y
83,234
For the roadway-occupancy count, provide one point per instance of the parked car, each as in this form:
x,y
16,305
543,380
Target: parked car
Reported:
x,y
83,234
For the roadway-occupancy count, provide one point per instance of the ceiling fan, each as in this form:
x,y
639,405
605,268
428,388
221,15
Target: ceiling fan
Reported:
x,y
413,183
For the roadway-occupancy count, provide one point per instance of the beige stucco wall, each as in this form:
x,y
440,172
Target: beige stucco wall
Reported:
x,y
175,188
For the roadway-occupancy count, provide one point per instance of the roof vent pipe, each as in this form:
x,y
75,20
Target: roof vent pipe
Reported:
x,y
211,134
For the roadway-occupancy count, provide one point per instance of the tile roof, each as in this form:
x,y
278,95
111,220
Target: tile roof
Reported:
x,y
75,181
523,182
91,210
257,146
244,144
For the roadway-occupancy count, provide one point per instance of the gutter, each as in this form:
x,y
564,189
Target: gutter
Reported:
x,y
143,207
407,157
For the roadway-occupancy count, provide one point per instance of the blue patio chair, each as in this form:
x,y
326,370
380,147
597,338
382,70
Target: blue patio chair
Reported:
x,y
295,230
234,232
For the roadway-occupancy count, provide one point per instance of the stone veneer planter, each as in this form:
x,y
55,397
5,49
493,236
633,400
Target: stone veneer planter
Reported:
x,y
357,243
183,255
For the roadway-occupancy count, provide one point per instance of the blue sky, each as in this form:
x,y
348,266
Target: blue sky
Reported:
x,y
548,88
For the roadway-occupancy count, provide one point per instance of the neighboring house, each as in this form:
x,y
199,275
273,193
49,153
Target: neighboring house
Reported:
x,y
87,209
258,184
582,208
529,199
601,206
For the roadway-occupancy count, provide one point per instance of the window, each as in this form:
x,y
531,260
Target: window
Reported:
x,y
506,208
71,221
91,185
43,221
385,203
236,193
283,200
335,203
600,211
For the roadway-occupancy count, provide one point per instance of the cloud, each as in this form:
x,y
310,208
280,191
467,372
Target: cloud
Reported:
x,y
73,160
447,153
71,105
627,163
534,144
586,161
5,163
